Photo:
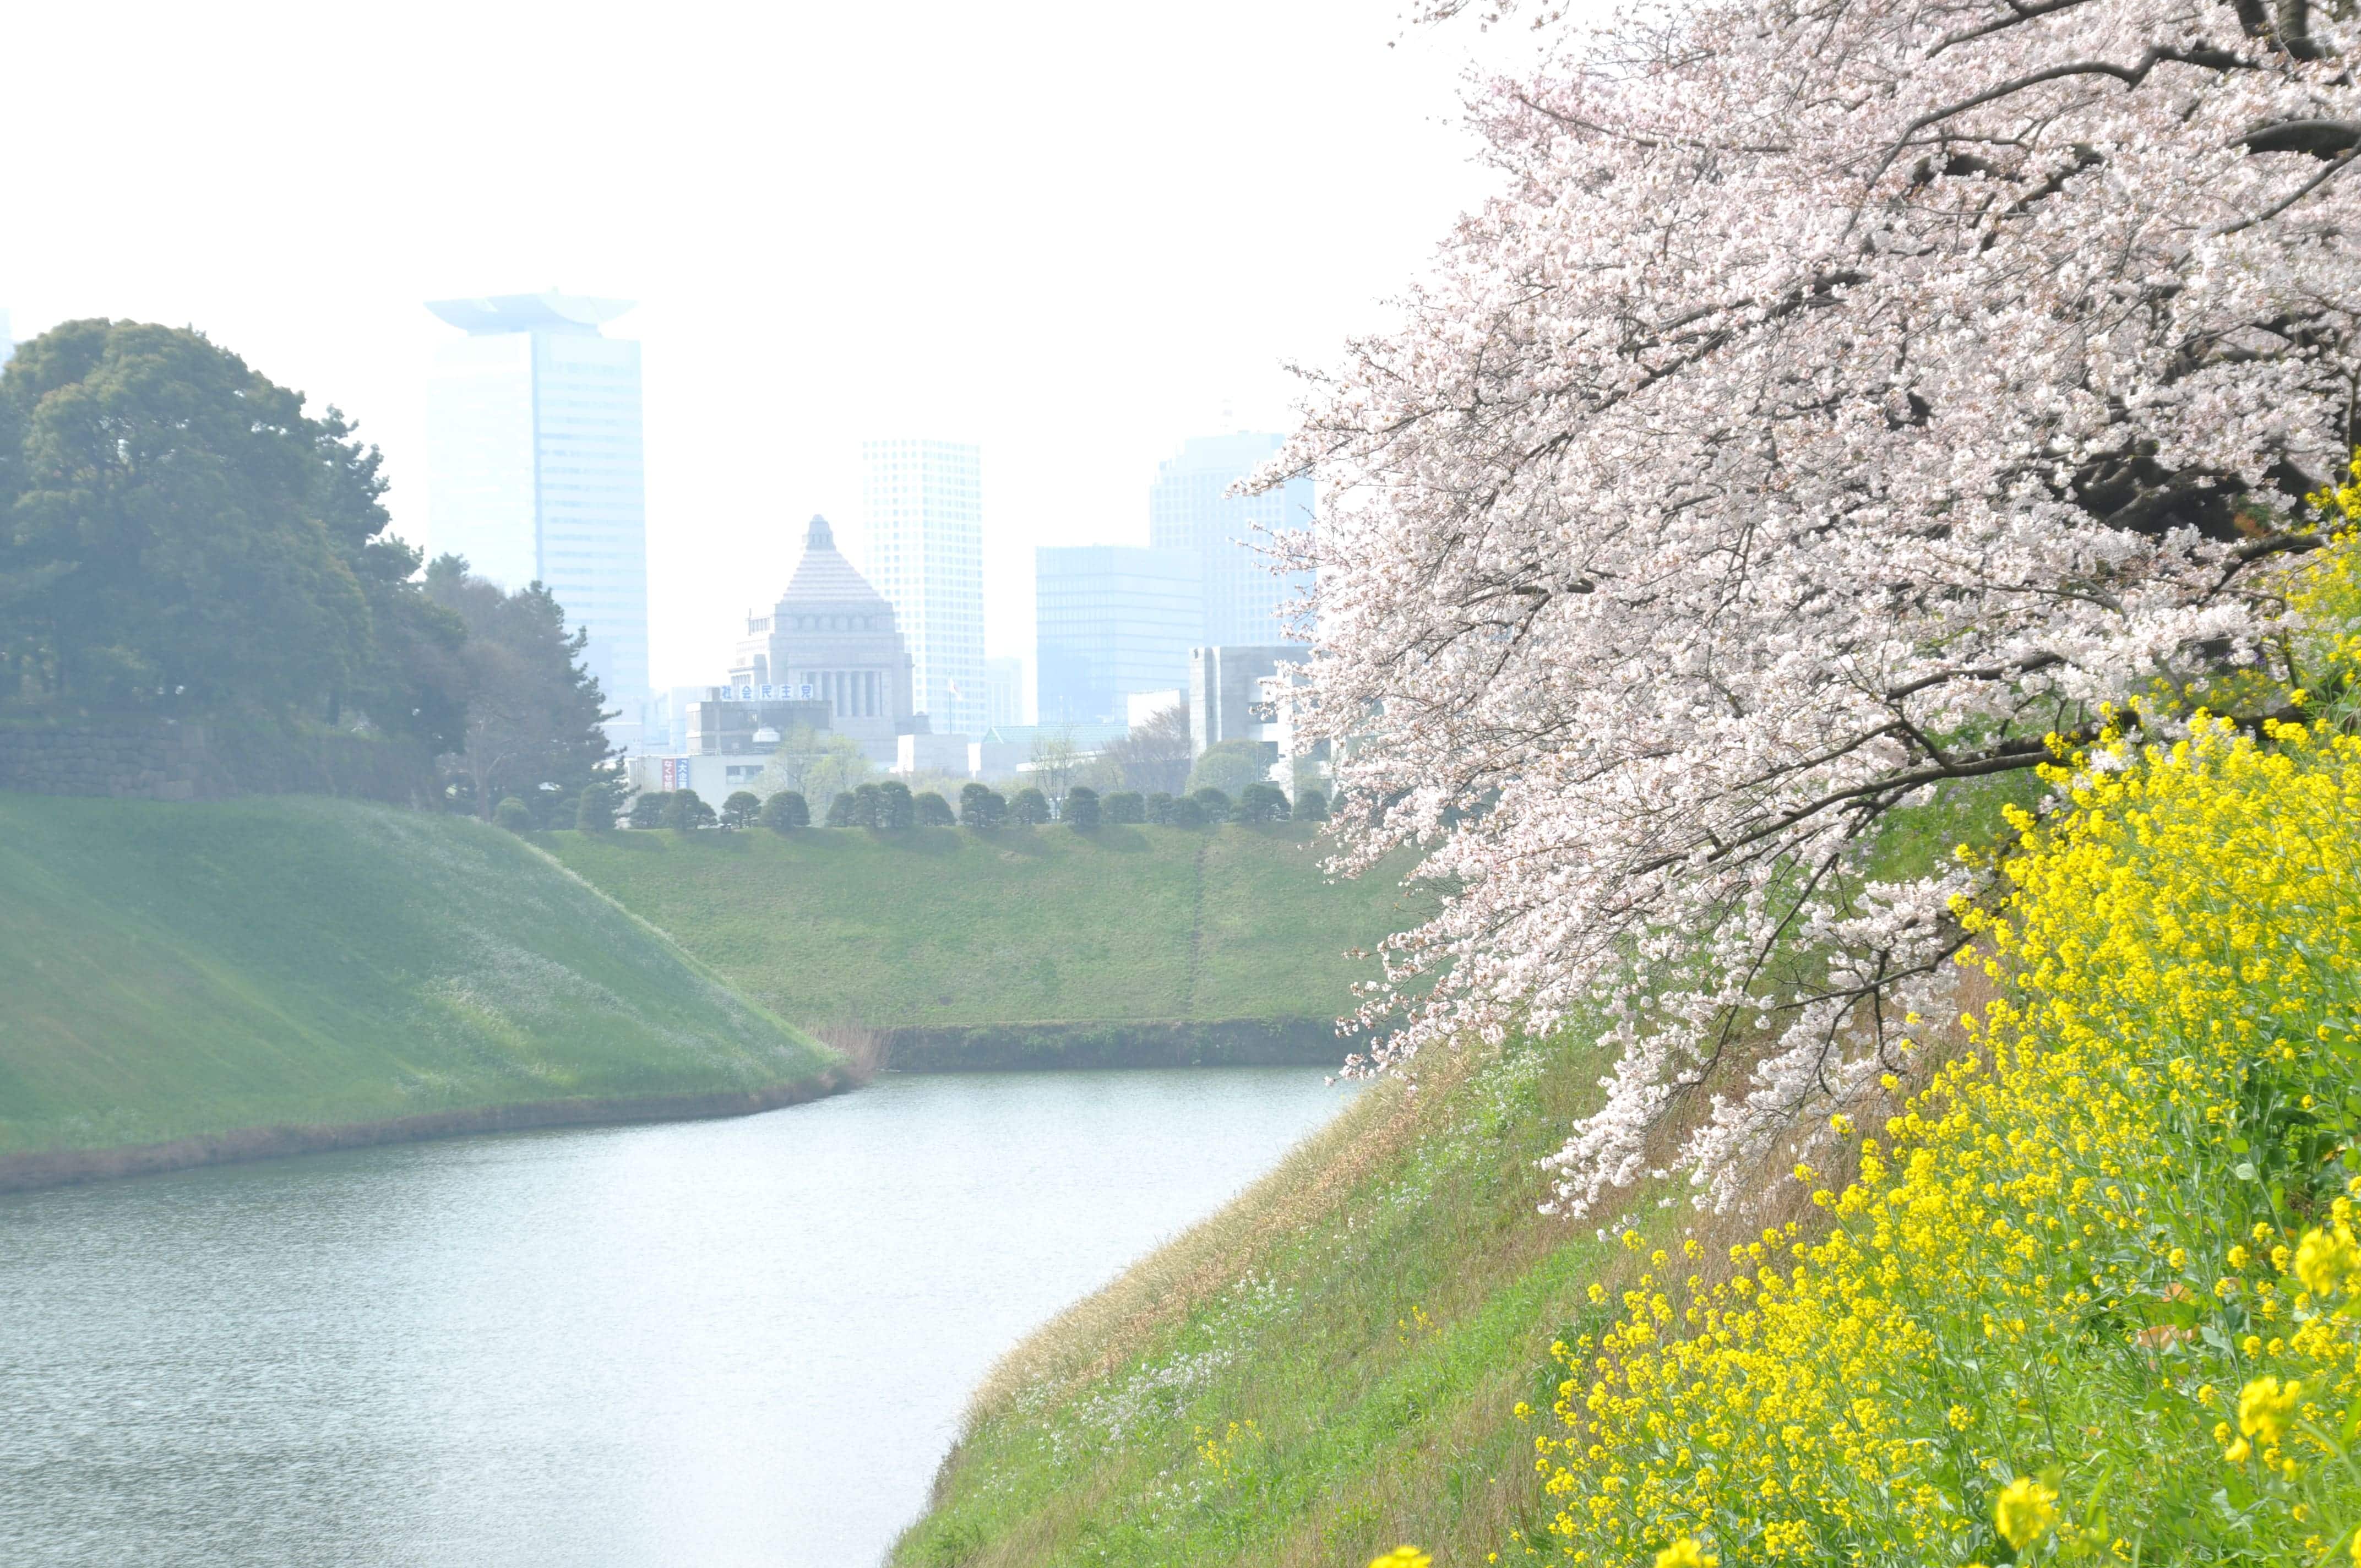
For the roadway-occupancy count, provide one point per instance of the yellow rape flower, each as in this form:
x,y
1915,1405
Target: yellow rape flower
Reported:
x,y
2323,1260
1402,1557
2266,1406
2024,1512
1684,1553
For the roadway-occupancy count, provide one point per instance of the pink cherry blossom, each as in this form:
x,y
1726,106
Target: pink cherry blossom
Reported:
x,y
1838,399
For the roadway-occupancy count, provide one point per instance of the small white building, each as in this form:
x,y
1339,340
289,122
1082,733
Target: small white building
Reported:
x,y
1226,700
713,775
932,754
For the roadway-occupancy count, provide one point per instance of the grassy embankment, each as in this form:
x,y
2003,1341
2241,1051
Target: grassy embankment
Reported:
x,y
1333,1365
195,973
2092,1294
1026,946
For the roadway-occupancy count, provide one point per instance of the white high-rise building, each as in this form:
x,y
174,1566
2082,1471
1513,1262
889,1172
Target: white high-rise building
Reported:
x,y
1003,693
534,470
922,504
1189,508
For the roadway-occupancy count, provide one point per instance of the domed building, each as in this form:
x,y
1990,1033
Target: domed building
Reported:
x,y
832,638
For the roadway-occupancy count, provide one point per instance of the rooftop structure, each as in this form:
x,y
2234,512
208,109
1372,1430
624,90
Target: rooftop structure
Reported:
x,y
552,312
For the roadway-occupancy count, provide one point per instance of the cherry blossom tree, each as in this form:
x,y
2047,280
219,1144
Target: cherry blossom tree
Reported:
x,y
1843,400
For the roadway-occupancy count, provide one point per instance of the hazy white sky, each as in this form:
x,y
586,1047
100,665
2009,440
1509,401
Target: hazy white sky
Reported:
x,y
1070,233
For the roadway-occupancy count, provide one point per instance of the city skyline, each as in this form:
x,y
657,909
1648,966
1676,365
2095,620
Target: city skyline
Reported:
x,y
955,264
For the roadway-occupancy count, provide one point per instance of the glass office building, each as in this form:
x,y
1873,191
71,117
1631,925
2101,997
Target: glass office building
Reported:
x,y
534,469
1187,510
922,505
1111,621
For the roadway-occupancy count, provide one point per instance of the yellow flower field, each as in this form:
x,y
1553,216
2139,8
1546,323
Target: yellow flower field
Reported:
x,y
2093,1295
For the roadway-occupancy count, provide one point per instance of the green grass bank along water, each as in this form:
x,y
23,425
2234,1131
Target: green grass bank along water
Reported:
x,y
1026,946
1328,1367
187,982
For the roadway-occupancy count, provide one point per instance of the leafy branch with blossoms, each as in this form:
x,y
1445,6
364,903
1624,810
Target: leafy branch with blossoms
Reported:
x,y
1840,404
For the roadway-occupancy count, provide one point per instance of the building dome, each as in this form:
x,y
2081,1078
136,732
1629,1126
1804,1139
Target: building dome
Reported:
x,y
826,582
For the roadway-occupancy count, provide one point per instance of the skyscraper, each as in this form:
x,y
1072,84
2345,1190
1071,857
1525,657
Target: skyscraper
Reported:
x,y
1112,619
534,471
923,507
1187,510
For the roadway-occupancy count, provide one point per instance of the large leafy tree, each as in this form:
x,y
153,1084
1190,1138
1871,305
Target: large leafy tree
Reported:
x,y
533,711
178,534
1841,398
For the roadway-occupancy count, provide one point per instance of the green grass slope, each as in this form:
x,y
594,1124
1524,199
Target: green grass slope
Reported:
x,y
1327,1369
175,970
944,927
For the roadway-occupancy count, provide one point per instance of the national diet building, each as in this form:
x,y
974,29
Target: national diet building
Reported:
x,y
832,638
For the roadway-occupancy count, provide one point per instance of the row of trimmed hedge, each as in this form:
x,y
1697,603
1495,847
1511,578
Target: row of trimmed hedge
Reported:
x,y
891,806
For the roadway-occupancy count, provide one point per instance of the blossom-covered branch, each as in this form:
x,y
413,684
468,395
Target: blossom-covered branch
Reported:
x,y
1840,399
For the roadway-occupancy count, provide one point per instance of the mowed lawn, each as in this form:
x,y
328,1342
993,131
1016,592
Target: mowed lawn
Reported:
x,y
944,926
175,970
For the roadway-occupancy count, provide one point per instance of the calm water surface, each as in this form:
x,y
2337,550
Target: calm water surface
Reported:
x,y
714,1343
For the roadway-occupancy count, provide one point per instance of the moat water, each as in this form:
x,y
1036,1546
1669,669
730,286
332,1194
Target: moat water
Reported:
x,y
712,1343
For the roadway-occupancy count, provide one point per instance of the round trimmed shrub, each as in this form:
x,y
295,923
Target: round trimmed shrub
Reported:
x,y
594,810
1262,803
686,812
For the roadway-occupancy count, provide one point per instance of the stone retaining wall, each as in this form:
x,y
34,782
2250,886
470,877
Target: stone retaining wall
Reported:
x,y
171,760
1032,1048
